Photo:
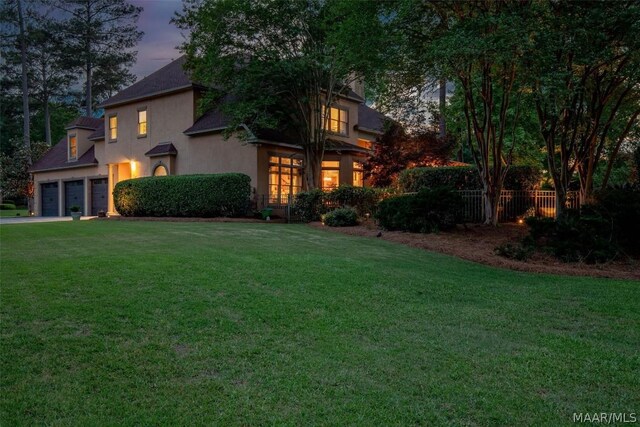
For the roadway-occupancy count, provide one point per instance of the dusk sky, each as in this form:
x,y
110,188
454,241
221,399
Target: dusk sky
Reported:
x,y
161,38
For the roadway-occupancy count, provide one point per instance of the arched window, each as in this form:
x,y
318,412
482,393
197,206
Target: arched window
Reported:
x,y
160,170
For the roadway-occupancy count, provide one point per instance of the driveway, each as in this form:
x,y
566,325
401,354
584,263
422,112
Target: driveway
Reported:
x,y
32,219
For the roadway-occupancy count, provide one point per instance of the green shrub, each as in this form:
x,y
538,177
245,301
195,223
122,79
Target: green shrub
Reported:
x,y
465,178
9,202
429,210
621,206
576,236
363,199
309,205
341,217
224,194
520,252
7,207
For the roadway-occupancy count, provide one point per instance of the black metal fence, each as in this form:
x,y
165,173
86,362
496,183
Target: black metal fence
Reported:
x,y
513,204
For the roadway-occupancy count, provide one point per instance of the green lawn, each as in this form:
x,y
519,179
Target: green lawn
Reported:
x,y
148,323
11,213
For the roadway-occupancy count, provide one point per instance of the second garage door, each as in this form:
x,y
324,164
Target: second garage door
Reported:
x,y
73,195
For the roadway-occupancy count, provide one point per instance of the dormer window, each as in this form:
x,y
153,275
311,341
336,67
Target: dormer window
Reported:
x,y
113,128
337,121
73,147
142,122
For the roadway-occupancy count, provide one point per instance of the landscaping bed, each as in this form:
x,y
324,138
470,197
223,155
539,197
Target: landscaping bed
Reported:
x,y
478,242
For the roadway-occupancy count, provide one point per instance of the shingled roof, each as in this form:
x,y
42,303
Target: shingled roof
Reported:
x,y
370,120
84,122
98,134
210,121
170,78
162,149
56,158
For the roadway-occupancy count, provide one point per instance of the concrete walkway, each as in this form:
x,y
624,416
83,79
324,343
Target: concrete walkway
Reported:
x,y
33,219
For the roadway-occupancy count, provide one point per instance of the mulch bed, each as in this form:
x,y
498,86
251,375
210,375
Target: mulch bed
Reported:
x,y
477,243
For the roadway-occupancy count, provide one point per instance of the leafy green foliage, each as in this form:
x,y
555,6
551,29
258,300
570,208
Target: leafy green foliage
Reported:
x,y
7,207
585,236
517,251
465,178
341,217
428,211
276,64
309,205
621,207
363,199
184,195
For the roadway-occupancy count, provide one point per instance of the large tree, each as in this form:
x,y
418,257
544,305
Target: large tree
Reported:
x,y
479,46
281,63
585,75
15,44
102,34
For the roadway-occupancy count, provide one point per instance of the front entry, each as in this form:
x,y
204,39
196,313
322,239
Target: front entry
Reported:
x,y
73,196
98,196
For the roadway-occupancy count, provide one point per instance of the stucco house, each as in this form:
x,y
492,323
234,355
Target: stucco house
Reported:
x,y
153,128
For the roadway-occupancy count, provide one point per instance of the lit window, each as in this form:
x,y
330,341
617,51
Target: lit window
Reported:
x,y
160,170
330,174
358,174
285,178
73,147
142,122
113,128
337,120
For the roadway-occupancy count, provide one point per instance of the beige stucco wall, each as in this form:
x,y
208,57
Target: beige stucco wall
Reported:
x,y
61,176
167,118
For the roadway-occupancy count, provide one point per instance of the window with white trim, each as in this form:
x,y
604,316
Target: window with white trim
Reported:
x,y
113,128
142,122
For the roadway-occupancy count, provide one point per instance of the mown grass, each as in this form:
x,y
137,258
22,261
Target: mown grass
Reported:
x,y
134,323
14,212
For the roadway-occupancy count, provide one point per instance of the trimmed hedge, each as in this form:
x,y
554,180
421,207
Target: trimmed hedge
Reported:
x,y
225,194
362,199
341,217
465,178
7,207
430,210
309,205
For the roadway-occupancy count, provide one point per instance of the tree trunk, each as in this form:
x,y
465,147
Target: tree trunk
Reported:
x,y
47,123
443,104
89,68
25,85
312,169
491,201
88,107
561,200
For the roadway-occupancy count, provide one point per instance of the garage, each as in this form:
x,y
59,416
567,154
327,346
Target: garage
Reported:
x,y
73,196
98,196
49,199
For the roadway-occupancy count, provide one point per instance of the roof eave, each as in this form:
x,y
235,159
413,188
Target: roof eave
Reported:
x,y
83,165
108,104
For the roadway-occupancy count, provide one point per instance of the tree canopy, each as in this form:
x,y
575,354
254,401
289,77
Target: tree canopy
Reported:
x,y
281,64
